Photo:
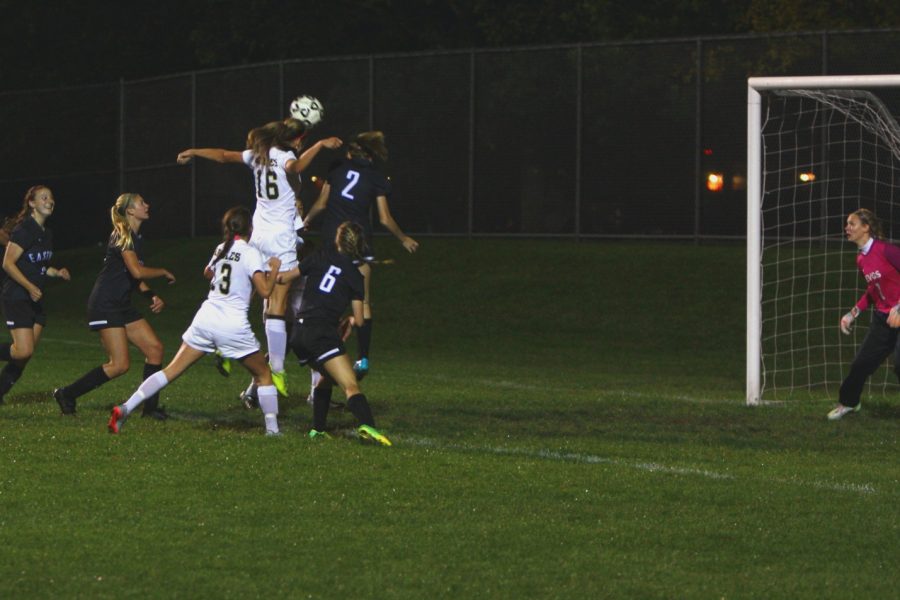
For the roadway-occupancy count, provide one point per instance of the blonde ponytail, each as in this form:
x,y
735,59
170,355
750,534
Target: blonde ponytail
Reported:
x,y
119,215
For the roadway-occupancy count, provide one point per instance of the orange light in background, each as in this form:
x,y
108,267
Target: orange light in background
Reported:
x,y
715,182
807,177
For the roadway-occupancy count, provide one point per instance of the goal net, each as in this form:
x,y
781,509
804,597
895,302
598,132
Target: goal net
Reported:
x,y
819,148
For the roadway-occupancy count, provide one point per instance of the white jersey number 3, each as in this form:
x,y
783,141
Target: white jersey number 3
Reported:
x,y
353,176
329,280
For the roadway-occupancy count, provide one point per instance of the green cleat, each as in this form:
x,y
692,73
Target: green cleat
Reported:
x,y
223,364
318,435
280,381
367,433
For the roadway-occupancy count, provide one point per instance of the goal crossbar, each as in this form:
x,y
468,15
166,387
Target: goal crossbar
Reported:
x,y
754,199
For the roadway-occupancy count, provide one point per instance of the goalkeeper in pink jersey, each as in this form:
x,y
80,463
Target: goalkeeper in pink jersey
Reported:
x,y
879,263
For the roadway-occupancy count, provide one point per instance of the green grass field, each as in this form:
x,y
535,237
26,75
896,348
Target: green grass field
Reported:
x,y
568,422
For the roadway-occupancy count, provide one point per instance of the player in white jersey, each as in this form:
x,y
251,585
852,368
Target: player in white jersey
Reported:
x,y
235,271
271,154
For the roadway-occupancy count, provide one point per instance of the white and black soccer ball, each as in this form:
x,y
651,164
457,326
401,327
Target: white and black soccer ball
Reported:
x,y
307,109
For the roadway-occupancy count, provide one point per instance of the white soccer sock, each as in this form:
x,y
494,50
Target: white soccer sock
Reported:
x,y
314,378
268,402
276,339
151,385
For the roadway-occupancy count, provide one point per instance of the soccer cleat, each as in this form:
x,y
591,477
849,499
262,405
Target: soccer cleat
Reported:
x,y
66,405
223,364
367,433
840,410
280,381
159,413
361,368
116,419
318,435
249,400
273,433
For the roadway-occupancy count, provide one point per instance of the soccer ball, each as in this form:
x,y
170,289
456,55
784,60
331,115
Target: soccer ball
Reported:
x,y
308,110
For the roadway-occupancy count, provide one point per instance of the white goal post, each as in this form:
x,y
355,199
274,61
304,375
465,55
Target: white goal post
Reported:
x,y
830,87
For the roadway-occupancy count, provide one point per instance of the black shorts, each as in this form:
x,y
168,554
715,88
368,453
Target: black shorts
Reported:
x,y
315,343
104,319
24,314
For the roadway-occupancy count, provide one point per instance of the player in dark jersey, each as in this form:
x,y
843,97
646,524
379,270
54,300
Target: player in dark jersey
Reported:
x,y
353,186
333,283
27,265
110,310
879,263
4,240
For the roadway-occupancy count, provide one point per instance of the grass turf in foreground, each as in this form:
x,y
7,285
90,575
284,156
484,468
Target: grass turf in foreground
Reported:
x,y
542,449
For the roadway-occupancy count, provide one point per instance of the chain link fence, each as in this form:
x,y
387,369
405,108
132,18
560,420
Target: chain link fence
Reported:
x,y
580,141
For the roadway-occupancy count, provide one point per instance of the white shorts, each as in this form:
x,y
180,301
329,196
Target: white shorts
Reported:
x,y
213,329
279,243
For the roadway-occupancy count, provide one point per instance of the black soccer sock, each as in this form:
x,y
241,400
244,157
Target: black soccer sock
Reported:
x,y
88,382
359,406
8,377
363,339
151,403
321,404
6,351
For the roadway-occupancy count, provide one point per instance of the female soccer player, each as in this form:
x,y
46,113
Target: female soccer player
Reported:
x,y
271,155
879,263
235,270
352,185
110,310
333,283
27,264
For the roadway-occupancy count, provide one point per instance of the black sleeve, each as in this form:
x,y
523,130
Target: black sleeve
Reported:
x,y
23,237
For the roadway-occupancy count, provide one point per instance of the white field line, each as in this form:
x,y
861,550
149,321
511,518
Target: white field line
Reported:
x,y
504,384
650,467
518,385
588,458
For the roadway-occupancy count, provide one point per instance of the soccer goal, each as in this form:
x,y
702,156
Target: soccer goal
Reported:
x,y
818,148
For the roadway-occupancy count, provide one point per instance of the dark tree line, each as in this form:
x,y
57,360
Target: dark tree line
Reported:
x,y
70,42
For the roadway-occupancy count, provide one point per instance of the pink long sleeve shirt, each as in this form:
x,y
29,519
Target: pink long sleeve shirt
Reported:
x,y
880,265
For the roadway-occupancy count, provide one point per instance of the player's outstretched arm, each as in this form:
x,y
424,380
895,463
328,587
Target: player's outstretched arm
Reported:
x,y
385,218
299,165
139,271
219,155
320,204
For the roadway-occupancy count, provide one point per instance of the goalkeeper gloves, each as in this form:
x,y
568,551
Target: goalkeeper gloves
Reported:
x,y
847,320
